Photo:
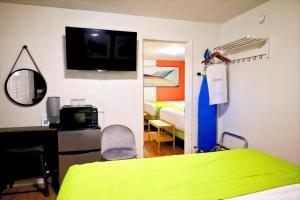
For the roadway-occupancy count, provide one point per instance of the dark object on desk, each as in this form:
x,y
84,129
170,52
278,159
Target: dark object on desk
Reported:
x,y
53,111
117,143
78,117
26,157
20,137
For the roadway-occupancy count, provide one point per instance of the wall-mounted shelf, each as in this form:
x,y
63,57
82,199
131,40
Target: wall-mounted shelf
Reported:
x,y
256,47
246,41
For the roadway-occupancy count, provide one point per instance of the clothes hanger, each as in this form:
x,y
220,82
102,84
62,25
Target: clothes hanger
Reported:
x,y
217,55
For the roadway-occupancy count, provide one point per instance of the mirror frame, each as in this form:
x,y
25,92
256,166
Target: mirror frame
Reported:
x,y
15,102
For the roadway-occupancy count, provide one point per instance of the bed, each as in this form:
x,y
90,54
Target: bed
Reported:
x,y
217,175
168,111
176,117
289,192
152,108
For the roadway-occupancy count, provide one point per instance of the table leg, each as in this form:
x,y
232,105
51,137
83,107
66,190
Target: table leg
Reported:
x,y
150,138
174,137
158,140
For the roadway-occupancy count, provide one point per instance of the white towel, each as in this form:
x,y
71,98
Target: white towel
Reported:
x,y
217,83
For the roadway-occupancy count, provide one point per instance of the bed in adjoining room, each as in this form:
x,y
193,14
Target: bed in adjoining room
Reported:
x,y
176,117
152,108
207,176
168,111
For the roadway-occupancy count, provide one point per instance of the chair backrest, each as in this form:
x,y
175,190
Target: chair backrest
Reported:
x,y
117,136
231,141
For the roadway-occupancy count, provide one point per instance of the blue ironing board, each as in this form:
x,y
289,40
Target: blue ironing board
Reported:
x,y
207,120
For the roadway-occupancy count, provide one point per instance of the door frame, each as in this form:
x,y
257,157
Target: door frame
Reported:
x,y
188,91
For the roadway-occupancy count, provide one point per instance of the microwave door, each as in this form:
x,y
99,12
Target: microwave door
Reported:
x,y
78,118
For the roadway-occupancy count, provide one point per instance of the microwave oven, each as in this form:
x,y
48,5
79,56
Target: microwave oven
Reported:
x,y
78,117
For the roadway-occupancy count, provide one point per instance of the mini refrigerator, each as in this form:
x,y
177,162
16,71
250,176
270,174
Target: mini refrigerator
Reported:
x,y
77,147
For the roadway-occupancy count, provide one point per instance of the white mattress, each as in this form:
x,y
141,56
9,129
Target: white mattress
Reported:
x,y
290,192
173,116
177,103
150,107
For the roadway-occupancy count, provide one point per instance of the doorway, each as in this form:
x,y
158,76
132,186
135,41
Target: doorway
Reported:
x,y
164,97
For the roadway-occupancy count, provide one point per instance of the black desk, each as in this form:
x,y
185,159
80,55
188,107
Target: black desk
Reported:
x,y
19,136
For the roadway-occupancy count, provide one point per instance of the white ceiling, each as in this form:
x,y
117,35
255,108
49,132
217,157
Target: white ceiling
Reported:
x,y
160,50
215,11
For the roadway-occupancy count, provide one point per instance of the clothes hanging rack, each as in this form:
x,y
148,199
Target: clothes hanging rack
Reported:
x,y
203,72
214,55
249,58
242,43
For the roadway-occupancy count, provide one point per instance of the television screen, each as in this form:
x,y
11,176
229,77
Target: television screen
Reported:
x,y
98,49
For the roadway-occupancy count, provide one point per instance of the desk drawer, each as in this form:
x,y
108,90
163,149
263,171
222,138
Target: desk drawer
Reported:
x,y
78,140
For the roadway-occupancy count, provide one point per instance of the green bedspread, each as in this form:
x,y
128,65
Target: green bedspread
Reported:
x,y
204,176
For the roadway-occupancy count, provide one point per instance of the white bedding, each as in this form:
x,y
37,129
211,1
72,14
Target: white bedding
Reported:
x,y
150,107
173,116
290,192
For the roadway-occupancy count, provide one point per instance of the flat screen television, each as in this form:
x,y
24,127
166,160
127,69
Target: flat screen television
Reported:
x,y
98,49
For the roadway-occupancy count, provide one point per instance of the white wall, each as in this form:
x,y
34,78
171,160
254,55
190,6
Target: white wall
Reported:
x,y
149,92
119,93
265,94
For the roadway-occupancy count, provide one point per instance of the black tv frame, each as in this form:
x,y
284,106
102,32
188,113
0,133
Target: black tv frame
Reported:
x,y
100,49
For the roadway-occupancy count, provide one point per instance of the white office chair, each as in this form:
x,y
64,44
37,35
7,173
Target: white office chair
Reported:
x,y
117,143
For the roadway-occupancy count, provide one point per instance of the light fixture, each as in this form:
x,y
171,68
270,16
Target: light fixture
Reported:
x,y
173,50
101,70
94,34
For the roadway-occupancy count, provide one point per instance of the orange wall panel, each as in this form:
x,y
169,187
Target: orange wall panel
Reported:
x,y
171,93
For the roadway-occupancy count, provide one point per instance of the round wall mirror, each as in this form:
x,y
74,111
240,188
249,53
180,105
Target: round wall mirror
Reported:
x,y
25,87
